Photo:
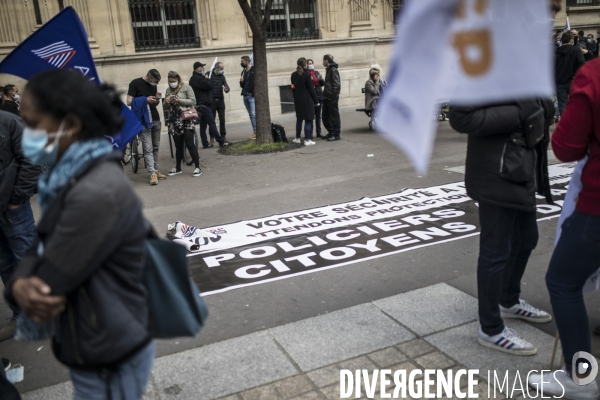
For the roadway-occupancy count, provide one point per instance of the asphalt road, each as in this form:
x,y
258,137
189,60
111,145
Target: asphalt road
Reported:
x,y
234,188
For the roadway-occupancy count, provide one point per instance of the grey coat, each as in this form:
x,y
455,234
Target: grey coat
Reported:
x,y
187,98
371,94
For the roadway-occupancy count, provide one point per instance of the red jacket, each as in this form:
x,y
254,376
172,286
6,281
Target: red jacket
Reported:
x,y
579,132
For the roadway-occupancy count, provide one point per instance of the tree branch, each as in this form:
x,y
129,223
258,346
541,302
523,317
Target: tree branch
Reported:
x,y
250,17
267,17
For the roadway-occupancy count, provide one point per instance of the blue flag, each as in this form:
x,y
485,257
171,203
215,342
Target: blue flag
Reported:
x,y
62,43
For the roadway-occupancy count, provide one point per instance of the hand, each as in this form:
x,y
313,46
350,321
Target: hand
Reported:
x,y
152,100
13,206
584,51
226,88
158,95
242,79
175,100
168,100
34,298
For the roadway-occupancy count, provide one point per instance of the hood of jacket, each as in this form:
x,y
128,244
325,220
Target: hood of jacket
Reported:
x,y
334,65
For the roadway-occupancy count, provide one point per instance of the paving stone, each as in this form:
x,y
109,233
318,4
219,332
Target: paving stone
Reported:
x,y
333,392
325,376
221,369
435,360
340,335
61,391
415,348
461,344
310,396
268,392
293,386
431,309
386,357
357,363
406,366
232,397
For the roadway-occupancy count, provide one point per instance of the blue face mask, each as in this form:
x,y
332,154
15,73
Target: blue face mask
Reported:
x,y
220,72
33,145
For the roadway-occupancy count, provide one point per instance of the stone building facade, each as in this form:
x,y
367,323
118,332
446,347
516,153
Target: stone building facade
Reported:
x,y
128,37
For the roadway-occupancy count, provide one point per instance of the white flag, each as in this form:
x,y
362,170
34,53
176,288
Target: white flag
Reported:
x,y
497,50
213,67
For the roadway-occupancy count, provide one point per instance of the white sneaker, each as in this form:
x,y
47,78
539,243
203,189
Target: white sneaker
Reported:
x,y
526,312
560,384
507,342
296,141
312,143
308,142
197,172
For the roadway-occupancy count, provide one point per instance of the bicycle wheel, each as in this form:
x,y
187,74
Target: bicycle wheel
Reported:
x,y
135,155
126,154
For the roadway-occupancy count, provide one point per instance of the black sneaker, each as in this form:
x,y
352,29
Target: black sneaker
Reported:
x,y
174,171
333,138
326,137
224,144
197,172
5,364
208,146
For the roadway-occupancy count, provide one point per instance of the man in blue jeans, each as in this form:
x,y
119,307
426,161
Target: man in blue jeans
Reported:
x,y
18,182
247,85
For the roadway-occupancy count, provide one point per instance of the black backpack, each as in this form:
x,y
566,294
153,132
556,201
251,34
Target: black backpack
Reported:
x,y
278,133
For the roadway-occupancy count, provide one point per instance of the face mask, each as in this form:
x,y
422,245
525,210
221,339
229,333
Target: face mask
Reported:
x,y
243,65
16,97
33,145
220,72
153,83
324,64
589,40
311,67
173,85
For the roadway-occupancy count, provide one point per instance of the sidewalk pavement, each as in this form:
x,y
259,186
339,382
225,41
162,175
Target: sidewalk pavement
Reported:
x,y
430,328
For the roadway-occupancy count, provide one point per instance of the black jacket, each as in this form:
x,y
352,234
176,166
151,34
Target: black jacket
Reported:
x,y
569,59
332,82
11,107
217,82
249,80
202,89
18,177
494,132
94,253
305,95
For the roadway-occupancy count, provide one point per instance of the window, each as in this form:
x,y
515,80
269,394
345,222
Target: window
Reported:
x,y
36,10
292,20
61,5
164,24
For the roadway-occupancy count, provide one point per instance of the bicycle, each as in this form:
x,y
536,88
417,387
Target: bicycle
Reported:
x,y
126,154
134,146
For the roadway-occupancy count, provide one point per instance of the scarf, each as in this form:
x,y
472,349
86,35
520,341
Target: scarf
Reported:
x,y
77,156
313,76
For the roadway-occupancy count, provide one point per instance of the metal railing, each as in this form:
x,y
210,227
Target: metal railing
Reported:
x,y
164,24
582,3
293,20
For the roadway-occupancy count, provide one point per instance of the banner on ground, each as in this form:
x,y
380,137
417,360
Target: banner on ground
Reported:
x,y
476,65
62,43
265,249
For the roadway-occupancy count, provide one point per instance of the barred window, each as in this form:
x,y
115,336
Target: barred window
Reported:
x,y
582,3
164,24
292,20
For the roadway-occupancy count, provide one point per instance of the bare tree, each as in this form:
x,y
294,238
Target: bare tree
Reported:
x,y
258,19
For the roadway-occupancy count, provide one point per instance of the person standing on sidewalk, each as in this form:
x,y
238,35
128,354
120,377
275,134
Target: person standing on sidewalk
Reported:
x,y
219,85
331,94
18,182
203,93
146,86
577,254
247,85
180,97
86,266
316,79
569,58
305,100
504,170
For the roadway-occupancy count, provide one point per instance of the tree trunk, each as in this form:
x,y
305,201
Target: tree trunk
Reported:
x,y
261,90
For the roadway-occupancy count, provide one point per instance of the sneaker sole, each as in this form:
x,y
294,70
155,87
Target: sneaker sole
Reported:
x,y
529,319
509,351
176,173
197,174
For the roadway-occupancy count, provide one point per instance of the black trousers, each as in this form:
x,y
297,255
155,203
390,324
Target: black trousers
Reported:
x,y
331,116
218,107
562,94
187,139
507,239
208,120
